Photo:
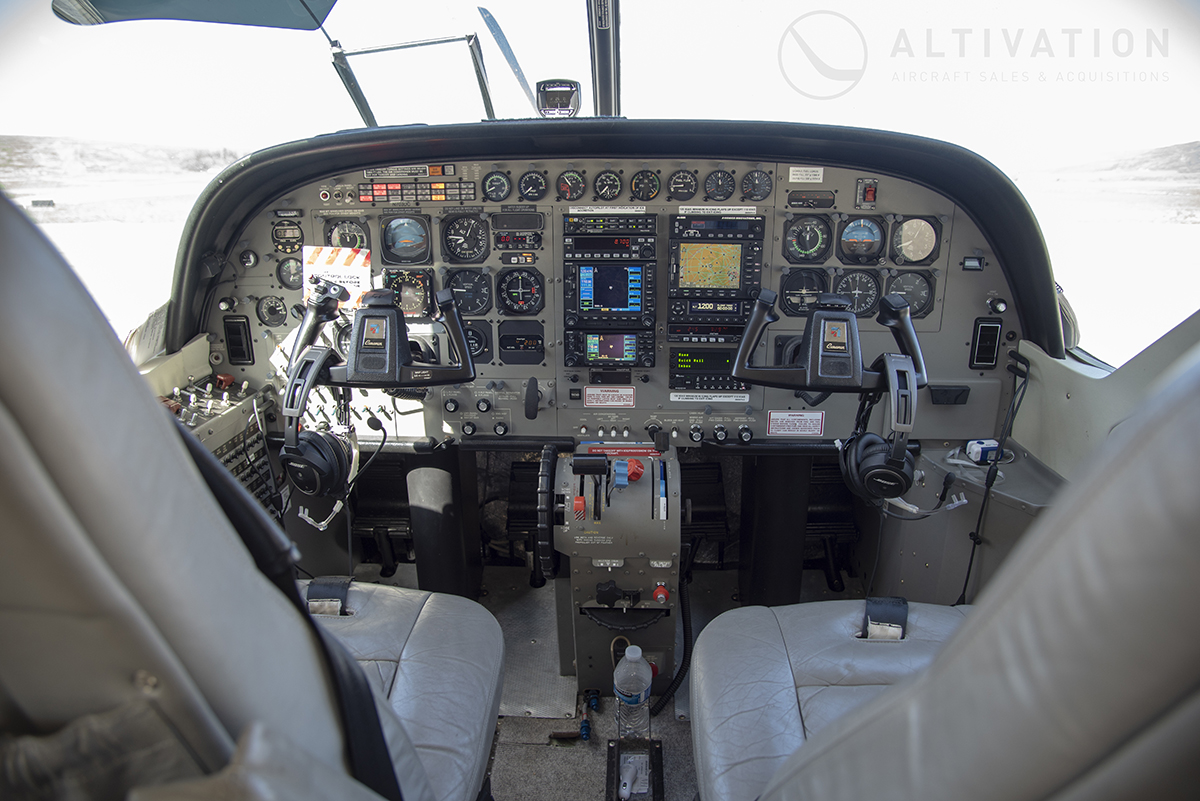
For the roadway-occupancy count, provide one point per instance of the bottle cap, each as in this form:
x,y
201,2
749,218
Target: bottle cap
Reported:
x,y
633,653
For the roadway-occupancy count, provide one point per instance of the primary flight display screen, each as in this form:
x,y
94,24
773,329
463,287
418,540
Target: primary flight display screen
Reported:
x,y
610,288
617,348
709,265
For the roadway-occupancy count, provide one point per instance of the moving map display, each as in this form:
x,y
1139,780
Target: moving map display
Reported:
x,y
709,265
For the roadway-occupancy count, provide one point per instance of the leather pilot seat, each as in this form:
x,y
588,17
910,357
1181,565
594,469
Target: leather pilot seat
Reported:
x,y
138,640
1075,676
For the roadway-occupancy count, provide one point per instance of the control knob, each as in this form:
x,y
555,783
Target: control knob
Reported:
x,y
745,434
647,361
696,433
719,433
468,428
501,428
451,405
571,360
572,321
483,405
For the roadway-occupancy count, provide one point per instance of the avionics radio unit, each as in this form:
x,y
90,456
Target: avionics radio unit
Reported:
x,y
609,349
609,271
716,272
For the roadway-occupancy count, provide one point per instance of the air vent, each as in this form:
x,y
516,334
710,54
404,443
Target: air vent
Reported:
x,y
237,339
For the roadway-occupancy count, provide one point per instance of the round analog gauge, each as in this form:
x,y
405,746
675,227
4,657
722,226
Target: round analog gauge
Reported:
x,y
913,240
410,290
571,185
477,343
341,340
287,236
472,292
719,185
290,273
521,291
756,185
916,289
248,258
346,234
496,186
807,239
465,239
800,290
532,185
406,240
607,185
862,288
862,239
682,185
645,185
272,311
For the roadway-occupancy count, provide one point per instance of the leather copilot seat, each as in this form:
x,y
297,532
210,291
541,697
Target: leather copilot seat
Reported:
x,y
123,583
1075,676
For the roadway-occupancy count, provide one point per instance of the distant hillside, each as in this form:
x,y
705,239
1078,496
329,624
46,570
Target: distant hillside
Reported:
x,y
1183,159
43,160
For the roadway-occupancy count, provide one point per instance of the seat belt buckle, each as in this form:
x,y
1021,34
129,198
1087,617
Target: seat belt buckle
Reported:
x,y
328,595
885,619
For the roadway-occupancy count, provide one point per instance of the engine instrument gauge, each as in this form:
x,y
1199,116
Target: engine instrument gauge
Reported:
x,y
757,185
521,291
496,186
345,234
287,236
720,185
799,291
571,185
862,288
472,292
682,185
915,241
607,185
248,259
406,240
807,240
861,241
411,290
465,239
477,341
532,185
290,273
272,311
645,185
916,288
341,340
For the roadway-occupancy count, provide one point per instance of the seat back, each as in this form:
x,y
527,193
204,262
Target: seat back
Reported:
x,y
1078,673
120,578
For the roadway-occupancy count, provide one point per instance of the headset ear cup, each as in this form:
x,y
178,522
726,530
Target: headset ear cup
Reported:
x,y
321,464
875,475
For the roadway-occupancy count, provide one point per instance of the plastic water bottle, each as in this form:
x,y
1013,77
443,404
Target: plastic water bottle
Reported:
x,y
631,686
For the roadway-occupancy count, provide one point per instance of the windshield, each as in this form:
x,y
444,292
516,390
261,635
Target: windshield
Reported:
x,y
1085,105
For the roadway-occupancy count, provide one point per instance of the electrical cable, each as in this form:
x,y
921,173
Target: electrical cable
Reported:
x,y
685,609
878,548
1014,406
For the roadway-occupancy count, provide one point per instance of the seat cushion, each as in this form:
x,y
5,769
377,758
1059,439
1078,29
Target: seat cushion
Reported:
x,y
438,660
764,679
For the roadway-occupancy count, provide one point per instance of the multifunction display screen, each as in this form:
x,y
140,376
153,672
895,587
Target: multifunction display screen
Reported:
x,y
702,361
610,288
611,348
709,265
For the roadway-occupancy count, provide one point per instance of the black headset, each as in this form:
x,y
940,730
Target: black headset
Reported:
x,y
876,468
318,462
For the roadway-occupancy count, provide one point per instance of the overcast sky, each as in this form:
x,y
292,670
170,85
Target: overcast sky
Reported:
x,y
1032,86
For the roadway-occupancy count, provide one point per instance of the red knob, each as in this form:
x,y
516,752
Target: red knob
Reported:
x,y
661,594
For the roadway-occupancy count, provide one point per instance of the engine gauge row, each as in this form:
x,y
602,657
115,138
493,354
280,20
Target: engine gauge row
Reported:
x,y
800,289
809,239
644,185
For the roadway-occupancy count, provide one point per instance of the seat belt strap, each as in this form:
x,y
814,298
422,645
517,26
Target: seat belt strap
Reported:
x,y
367,751
885,619
329,595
